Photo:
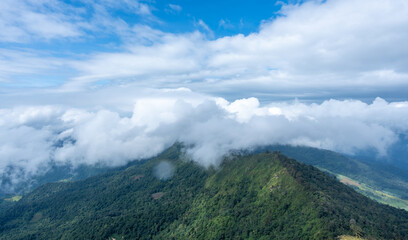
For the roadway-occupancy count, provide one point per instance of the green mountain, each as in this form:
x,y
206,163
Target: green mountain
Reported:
x,y
379,181
262,196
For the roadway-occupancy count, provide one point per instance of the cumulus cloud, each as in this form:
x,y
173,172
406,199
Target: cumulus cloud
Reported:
x,y
27,136
31,138
318,48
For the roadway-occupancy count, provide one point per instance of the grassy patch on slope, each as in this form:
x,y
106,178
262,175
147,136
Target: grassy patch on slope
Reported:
x,y
380,196
14,198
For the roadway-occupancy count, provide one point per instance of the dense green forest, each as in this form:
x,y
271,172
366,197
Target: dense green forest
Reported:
x,y
376,176
262,196
378,180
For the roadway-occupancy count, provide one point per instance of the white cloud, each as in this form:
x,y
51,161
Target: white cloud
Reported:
x,y
33,137
175,7
27,22
226,24
336,48
313,48
23,21
29,64
167,62
205,27
27,135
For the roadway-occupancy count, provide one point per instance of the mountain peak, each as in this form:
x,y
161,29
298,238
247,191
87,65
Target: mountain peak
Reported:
x,y
253,196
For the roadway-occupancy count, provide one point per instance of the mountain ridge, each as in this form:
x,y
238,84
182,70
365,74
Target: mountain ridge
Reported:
x,y
258,196
374,176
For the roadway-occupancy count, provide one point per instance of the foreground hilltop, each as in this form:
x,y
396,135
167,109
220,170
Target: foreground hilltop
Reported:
x,y
261,196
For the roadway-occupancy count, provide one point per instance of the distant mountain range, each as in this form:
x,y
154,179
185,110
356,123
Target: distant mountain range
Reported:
x,y
251,196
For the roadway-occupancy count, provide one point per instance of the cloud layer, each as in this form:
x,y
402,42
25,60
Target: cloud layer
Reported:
x,y
317,49
312,49
31,138
92,115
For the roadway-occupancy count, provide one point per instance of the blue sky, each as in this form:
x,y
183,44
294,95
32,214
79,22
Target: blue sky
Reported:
x,y
273,50
91,29
117,80
225,18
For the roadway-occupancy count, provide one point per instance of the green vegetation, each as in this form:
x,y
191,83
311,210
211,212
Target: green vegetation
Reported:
x,y
14,198
6,203
380,182
263,196
379,196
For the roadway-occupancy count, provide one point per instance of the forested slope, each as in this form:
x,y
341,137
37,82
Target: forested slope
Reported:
x,y
260,196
